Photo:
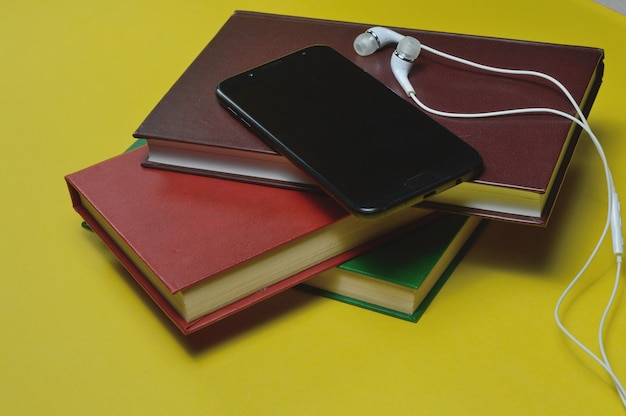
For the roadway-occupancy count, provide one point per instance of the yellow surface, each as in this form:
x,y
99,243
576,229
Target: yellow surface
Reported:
x,y
79,337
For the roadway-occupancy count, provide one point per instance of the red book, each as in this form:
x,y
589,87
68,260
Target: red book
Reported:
x,y
525,157
204,248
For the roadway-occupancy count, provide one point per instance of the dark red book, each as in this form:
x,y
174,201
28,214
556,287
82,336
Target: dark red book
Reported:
x,y
525,157
204,248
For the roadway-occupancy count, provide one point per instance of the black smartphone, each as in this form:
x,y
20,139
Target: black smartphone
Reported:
x,y
368,148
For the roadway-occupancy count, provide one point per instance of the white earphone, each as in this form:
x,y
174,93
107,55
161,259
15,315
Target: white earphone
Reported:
x,y
407,50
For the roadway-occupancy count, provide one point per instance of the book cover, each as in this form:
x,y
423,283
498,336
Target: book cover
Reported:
x,y
525,157
137,143
402,277
204,248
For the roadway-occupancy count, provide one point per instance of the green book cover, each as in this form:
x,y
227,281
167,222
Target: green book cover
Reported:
x,y
402,277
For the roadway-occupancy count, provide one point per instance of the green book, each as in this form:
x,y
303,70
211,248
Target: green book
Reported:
x,y
402,277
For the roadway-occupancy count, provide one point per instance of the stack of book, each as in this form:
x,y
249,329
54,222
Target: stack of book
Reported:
x,y
209,220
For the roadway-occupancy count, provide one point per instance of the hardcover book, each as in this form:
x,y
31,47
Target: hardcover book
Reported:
x,y
525,157
204,248
401,278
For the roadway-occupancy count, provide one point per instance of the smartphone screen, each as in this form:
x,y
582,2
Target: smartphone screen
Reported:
x,y
368,148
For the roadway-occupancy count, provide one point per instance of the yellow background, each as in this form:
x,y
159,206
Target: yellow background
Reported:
x,y
80,338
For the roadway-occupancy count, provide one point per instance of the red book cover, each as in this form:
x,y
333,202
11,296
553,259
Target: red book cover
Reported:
x,y
204,248
525,157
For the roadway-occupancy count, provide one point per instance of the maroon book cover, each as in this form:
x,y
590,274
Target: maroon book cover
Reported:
x,y
204,248
525,156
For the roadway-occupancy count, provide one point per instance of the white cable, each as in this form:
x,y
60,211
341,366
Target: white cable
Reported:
x,y
612,221
609,369
508,72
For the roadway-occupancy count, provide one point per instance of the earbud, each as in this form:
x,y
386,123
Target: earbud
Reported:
x,y
402,59
375,38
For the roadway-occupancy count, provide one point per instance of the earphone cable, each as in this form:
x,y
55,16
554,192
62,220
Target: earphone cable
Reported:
x,y
612,219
